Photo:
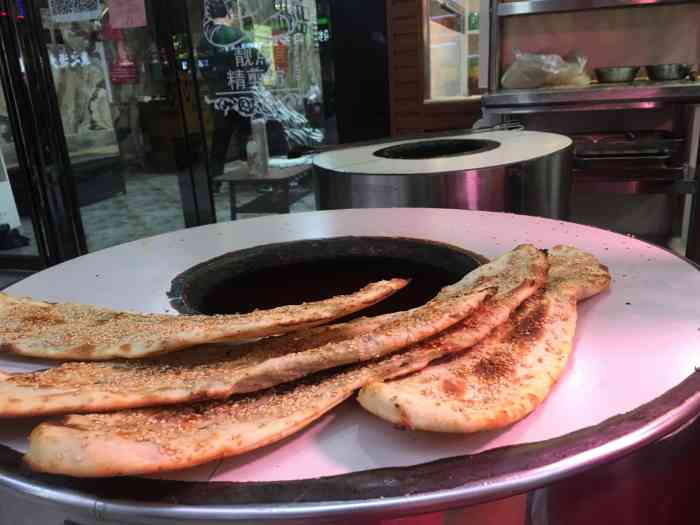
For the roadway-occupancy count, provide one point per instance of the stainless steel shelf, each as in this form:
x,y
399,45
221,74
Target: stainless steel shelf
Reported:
x,y
632,181
532,7
639,95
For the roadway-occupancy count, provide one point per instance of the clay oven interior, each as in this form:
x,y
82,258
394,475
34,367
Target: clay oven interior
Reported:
x,y
436,148
310,270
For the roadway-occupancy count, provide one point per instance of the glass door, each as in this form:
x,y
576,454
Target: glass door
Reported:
x,y
131,120
112,142
21,244
37,190
261,76
128,118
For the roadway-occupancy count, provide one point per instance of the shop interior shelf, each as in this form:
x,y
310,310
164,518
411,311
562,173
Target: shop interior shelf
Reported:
x,y
531,7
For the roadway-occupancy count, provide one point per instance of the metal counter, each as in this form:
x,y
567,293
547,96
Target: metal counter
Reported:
x,y
632,380
522,171
637,95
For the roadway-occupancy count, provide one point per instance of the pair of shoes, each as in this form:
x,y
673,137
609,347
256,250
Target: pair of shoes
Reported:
x,y
10,239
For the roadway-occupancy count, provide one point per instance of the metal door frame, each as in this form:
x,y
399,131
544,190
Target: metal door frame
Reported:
x,y
58,233
195,183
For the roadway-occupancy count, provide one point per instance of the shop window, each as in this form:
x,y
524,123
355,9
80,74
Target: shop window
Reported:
x,y
452,48
260,60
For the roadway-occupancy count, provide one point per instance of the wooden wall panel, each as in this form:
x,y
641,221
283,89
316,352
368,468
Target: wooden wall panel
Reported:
x,y
406,26
404,8
406,75
404,43
408,58
410,114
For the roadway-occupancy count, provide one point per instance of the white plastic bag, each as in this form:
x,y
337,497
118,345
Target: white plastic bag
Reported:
x,y
531,70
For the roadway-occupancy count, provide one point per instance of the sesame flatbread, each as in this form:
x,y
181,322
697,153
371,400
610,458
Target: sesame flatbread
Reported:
x,y
506,376
515,275
160,439
218,372
80,332
154,440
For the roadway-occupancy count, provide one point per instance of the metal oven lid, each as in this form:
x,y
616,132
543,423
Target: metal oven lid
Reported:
x,y
485,149
632,380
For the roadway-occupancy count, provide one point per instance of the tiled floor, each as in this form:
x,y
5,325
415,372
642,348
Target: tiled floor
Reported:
x,y
25,230
150,206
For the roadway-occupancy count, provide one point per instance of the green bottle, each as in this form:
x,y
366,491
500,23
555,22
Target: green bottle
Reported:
x,y
473,21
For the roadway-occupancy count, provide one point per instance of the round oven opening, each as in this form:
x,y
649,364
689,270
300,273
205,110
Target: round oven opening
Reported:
x,y
433,149
310,270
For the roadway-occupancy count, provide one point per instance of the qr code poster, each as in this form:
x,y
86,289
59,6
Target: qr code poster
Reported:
x,y
74,10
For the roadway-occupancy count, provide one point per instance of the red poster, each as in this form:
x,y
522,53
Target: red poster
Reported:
x,y
124,73
127,13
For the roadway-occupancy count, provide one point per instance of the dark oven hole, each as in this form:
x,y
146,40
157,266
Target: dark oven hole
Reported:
x,y
432,149
302,271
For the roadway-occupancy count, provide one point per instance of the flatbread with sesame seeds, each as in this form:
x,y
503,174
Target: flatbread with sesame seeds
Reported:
x,y
218,372
81,332
507,375
160,439
155,440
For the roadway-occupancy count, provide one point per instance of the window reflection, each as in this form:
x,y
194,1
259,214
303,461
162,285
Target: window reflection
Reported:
x,y
260,60
453,48
78,60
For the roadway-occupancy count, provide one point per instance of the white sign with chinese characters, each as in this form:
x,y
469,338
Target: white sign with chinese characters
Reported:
x,y
62,11
64,58
248,67
247,72
256,62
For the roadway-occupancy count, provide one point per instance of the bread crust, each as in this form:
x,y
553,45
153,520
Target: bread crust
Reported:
x,y
217,372
148,441
507,375
67,331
